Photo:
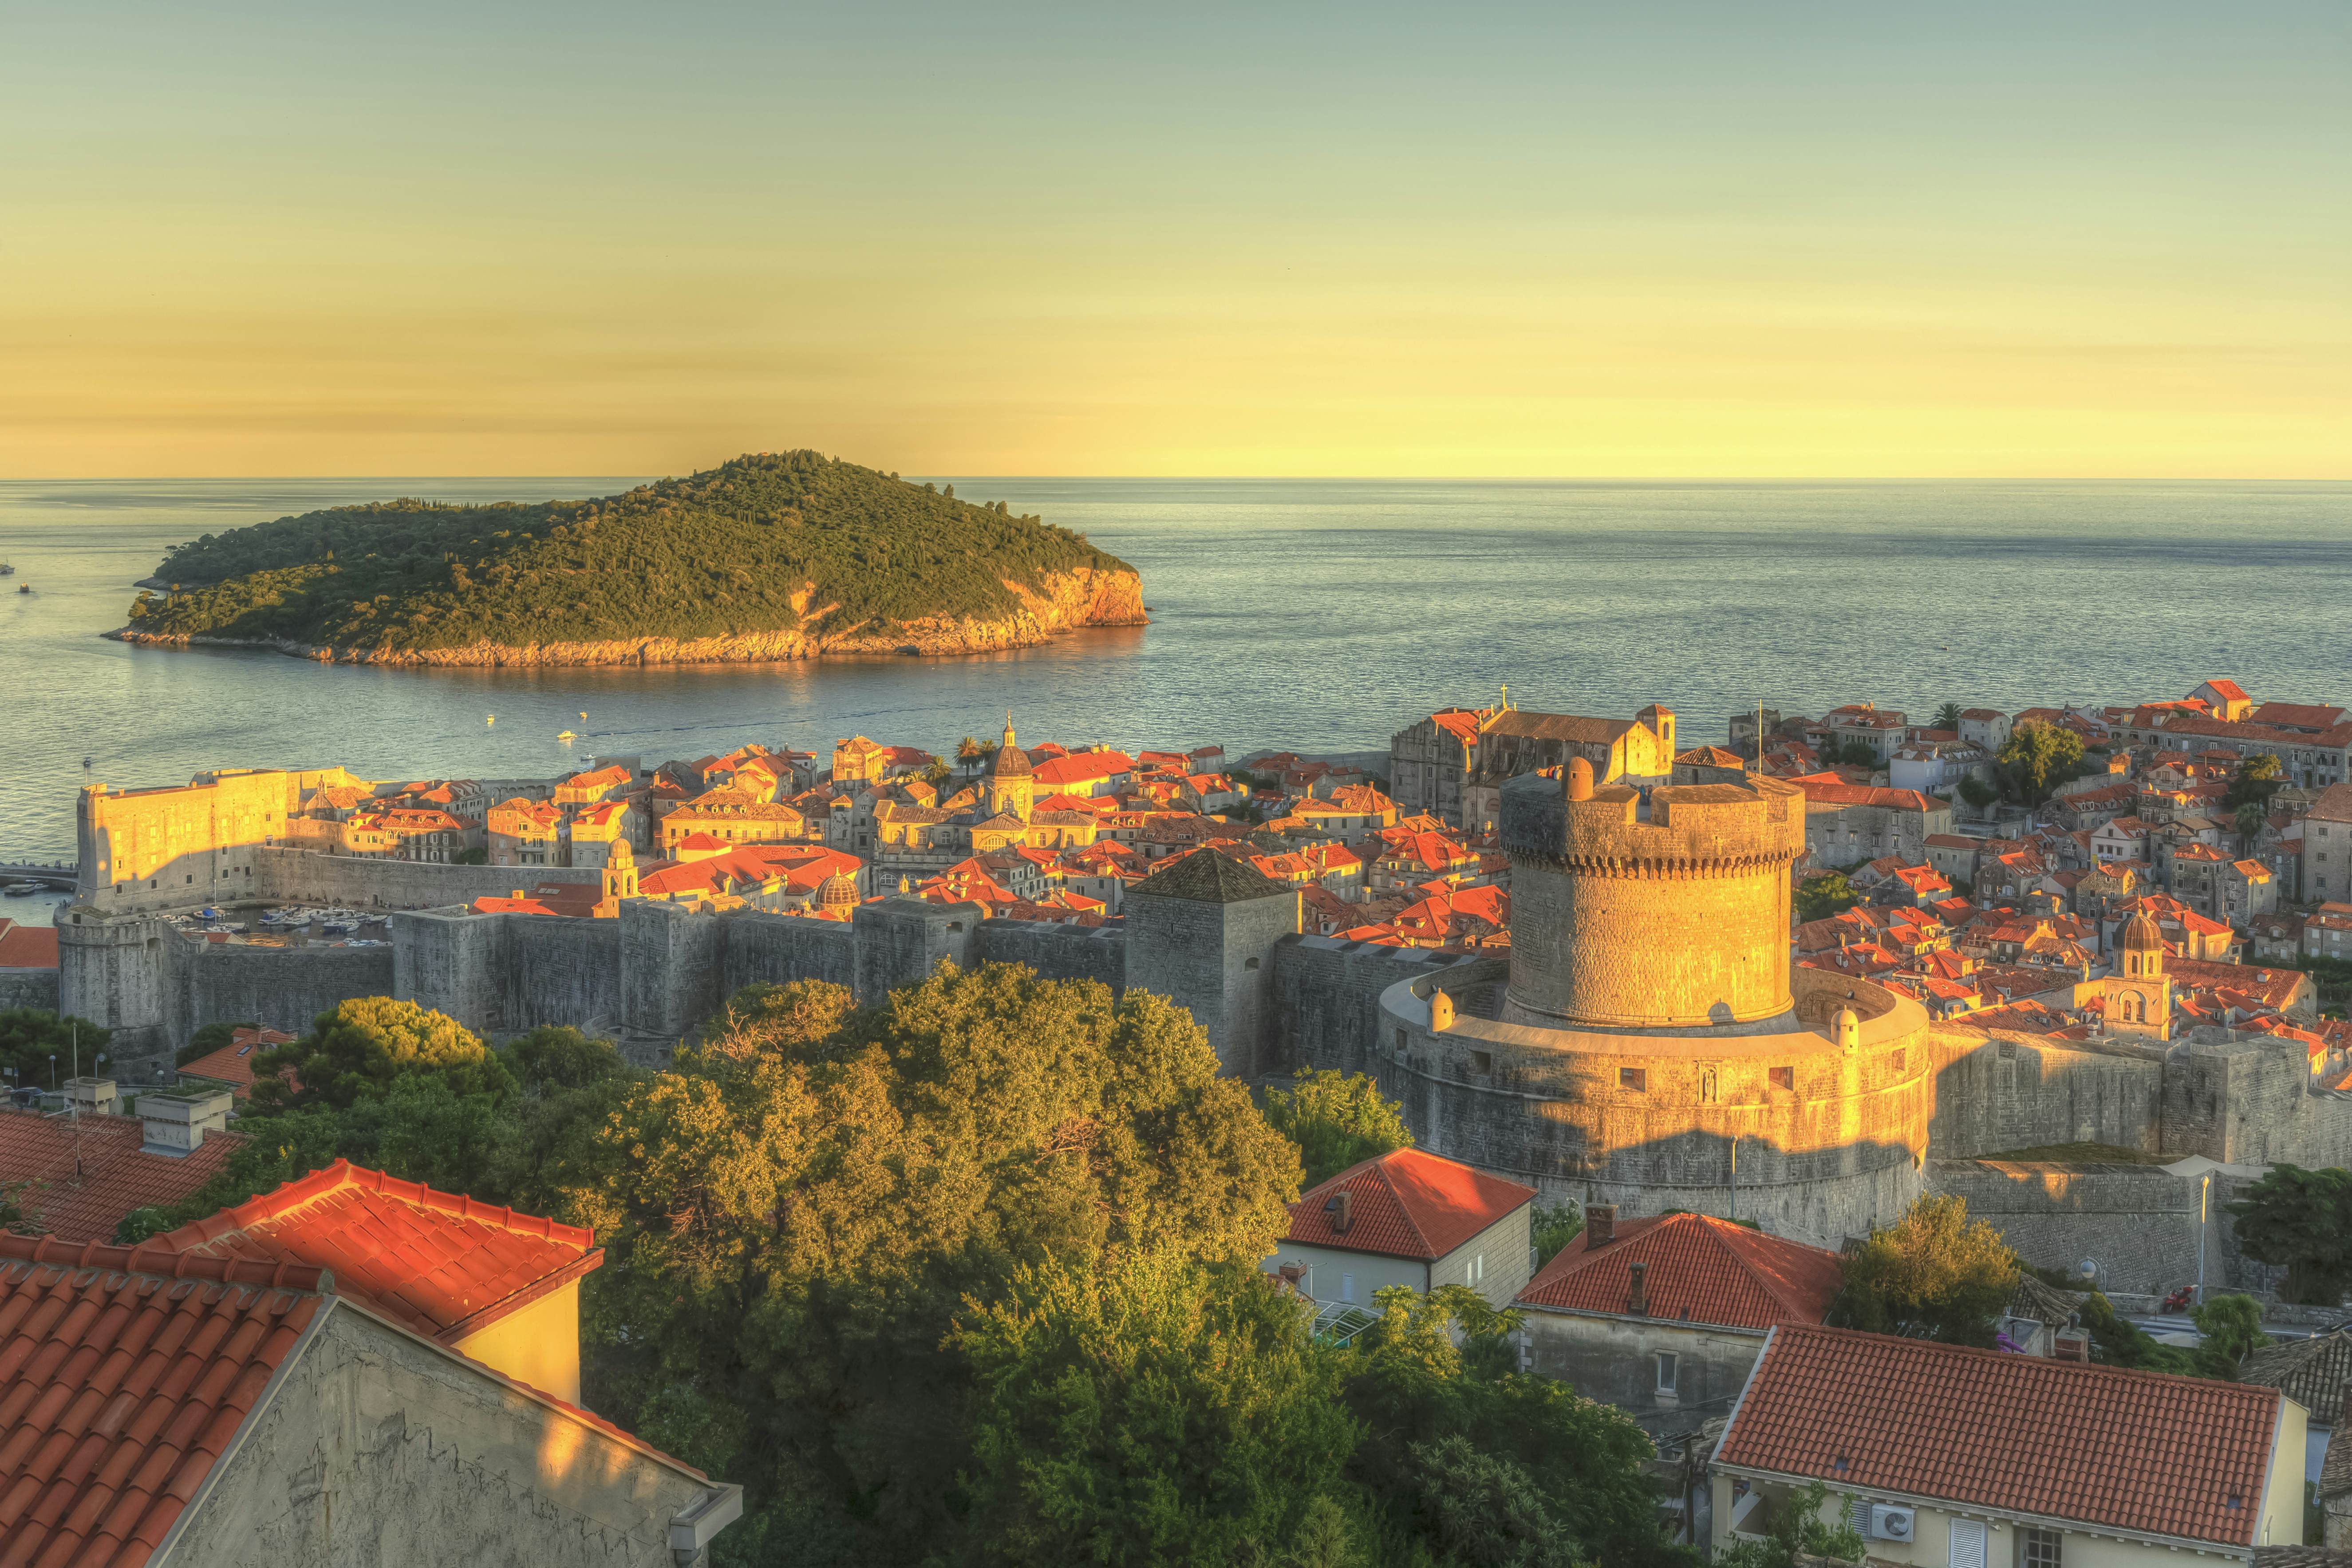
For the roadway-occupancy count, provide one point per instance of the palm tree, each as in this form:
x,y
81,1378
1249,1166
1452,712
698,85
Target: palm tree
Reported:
x,y
968,753
1948,717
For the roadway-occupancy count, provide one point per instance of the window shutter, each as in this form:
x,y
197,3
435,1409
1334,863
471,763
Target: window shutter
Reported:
x,y
1968,1544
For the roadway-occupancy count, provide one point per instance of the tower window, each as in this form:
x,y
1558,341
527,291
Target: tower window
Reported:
x,y
1783,1078
1634,1079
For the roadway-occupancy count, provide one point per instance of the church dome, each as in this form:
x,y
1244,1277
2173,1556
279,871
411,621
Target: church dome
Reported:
x,y
1012,761
2140,934
838,891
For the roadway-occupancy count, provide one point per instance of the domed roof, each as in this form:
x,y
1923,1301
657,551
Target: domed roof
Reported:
x,y
2141,936
837,891
1011,762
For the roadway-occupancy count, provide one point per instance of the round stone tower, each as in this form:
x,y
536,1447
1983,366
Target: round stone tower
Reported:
x,y
1661,913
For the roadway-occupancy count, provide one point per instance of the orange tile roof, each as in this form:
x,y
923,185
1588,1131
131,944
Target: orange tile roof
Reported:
x,y
27,947
117,1176
233,1063
119,1390
1406,1204
2141,1451
1701,1270
438,1264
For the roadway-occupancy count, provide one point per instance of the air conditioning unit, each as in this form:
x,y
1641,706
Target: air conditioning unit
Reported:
x,y
1888,1522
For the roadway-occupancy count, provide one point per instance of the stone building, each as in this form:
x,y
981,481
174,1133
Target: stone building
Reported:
x,y
1203,928
1663,1317
1845,822
1406,1218
2327,872
1646,1043
1449,764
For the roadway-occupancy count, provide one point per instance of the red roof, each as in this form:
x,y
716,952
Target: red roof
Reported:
x,y
118,1391
117,1175
2143,1451
1406,1204
1701,1270
27,947
438,1264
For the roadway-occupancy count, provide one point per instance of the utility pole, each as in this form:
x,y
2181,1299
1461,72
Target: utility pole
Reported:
x,y
2204,1193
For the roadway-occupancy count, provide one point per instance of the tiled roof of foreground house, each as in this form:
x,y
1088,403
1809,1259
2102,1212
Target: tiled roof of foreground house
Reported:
x,y
1699,1269
119,1390
2316,1372
436,1264
117,1176
1405,1204
2143,1451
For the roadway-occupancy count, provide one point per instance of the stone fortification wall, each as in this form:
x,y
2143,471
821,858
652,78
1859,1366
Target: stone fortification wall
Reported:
x,y
1634,913
900,941
671,976
560,971
450,961
280,988
2138,1222
2003,1092
284,876
1816,1140
1327,998
28,988
182,847
1058,951
1217,959
759,948
2252,1101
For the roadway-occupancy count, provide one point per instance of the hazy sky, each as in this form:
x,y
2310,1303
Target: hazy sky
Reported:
x,y
1645,238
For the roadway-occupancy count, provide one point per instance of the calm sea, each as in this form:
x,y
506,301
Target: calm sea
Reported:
x,y
1313,615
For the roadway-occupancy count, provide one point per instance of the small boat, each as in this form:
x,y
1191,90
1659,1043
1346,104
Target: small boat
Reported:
x,y
24,587
490,719
85,762
6,570
22,889
208,914
341,928
566,736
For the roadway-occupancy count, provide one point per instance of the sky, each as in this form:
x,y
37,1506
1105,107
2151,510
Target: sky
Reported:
x,y
1666,239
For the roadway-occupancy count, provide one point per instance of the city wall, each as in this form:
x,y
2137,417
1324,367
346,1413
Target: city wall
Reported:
x,y
285,875
28,988
2136,1226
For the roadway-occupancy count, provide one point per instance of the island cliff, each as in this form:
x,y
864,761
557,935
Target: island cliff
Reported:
x,y
774,556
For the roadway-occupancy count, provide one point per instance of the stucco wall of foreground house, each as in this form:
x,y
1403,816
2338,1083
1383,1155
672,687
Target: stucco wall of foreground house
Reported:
x,y
376,1451
1614,1361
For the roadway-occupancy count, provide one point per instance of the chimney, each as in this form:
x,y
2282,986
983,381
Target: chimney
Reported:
x,y
1338,1206
1637,1299
1600,1225
2071,1344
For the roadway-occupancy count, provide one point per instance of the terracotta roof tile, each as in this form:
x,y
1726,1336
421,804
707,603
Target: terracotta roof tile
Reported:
x,y
1406,1204
117,1175
123,1372
438,1263
2091,1444
1701,1270
27,947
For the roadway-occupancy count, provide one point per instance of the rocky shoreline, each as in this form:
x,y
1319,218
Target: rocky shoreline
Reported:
x,y
1069,601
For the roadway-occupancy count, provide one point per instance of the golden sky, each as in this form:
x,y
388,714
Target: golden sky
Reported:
x,y
1670,240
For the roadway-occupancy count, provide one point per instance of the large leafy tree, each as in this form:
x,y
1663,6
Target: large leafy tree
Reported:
x,y
2301,1220
794,1217
358,1050
2257,779
2038,758
29,1037
1933,1273
1144,1409
1337,1119
1478,1463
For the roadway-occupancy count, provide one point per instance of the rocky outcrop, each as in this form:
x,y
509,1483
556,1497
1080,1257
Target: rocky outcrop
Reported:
x,y
1065,601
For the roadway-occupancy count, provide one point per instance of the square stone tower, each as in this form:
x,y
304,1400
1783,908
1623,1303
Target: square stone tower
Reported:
x,y
1201,932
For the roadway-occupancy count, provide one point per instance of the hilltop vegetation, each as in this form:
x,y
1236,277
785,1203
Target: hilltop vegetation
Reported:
x,y
719,553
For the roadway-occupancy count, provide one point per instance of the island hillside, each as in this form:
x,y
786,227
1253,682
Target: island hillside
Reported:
x,y
775,556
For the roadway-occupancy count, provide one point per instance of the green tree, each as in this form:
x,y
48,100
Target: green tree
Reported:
x,y
2256,779
2249,819
2229,1326
2301,1221
1444,1366
1551,1228
1977,793
1337,1119
1855,754
1798,1529
937,775
1932,1274
357,1048
795,1215
2038,758
1143,1409
29,1037
1948,717
1819,898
